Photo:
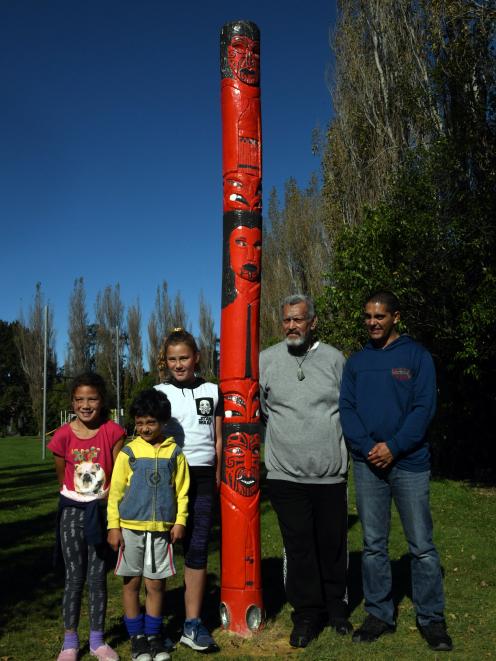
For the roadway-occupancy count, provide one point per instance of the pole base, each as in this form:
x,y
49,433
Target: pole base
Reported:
x,y
241,611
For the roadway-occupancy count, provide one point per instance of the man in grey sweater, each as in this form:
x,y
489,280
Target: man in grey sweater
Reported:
x,y
307,465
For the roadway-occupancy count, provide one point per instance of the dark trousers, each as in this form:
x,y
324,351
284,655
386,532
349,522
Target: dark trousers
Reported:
x,y
313,519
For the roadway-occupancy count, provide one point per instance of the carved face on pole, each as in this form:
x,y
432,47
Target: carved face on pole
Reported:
x,y
242,404
242,192
242,462
243,55
245,246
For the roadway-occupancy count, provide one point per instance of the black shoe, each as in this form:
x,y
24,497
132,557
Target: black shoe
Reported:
x,y
158,650
341,625
140,650
304,631
372,629
436,636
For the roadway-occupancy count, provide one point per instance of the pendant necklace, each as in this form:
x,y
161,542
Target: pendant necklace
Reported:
x,y
300,374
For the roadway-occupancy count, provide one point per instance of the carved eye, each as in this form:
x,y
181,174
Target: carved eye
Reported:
x,y
237,399
235,450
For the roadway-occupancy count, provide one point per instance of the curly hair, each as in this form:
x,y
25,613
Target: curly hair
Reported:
x,y
153,403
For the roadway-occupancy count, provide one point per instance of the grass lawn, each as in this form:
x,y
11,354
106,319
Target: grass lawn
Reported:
x,y
30,618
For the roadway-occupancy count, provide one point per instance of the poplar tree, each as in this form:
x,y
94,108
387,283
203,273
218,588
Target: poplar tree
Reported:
x,y
79,358
135,344
207,340
109,313
30,344
296,252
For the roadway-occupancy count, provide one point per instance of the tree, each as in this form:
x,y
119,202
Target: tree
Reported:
x,y
79,346
109,312
207,340
179,315
159,325
296,251
135,345
383,100
410,174
30,343
154,342
16,416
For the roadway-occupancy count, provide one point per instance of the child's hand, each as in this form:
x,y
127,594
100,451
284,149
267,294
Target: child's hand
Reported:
x,y
115,538
177,532
218,479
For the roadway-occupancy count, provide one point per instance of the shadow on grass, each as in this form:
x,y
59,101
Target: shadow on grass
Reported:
x,y
29,580
17,481
24,502
17,533
13,471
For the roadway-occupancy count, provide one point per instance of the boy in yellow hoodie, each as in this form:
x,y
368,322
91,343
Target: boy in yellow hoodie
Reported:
x,y
147,510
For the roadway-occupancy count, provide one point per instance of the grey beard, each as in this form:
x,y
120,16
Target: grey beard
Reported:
x,y
300,342
295,342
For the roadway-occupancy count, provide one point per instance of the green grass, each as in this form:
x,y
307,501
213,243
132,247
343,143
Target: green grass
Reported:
x,y
30,619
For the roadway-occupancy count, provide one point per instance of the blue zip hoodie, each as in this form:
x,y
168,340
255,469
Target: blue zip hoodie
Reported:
x,y
389,395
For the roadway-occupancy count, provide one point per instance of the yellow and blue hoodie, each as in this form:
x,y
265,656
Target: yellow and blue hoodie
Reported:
x,y
149,488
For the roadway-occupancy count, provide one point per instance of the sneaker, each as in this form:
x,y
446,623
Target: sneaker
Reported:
x,y
372,629
436,636
304,631
140,650
105,653
158,649
70,654
341,625
196,636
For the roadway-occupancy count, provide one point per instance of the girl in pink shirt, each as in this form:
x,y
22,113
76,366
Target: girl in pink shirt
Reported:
x,y
85,450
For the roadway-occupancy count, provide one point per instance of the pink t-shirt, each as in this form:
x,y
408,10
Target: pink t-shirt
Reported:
x,y
88,461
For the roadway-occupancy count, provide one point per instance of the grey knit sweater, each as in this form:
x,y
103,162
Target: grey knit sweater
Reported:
x,y
304,441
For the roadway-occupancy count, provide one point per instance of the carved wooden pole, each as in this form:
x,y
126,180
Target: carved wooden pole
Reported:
x,y
241,587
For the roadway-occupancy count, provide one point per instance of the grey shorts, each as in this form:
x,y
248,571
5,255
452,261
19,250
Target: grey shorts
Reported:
x,y
148,554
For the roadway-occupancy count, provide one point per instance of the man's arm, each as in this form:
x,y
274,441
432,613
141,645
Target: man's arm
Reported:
x,y
354,430
414,427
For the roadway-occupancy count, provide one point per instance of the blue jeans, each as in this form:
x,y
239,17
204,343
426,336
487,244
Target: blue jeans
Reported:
x,y
410,492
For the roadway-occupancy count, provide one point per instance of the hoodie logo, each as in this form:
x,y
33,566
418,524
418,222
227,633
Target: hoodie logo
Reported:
x,y
401,373
205,408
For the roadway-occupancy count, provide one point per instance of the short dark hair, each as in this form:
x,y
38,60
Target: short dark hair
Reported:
x,y
386,298
153,403
92,380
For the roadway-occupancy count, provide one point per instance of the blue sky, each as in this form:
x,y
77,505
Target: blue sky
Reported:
x,y
110,142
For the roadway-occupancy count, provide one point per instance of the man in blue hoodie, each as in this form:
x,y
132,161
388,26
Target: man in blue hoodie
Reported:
x,y
387,400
